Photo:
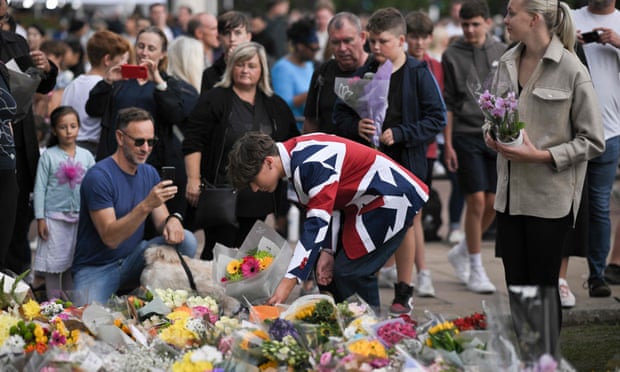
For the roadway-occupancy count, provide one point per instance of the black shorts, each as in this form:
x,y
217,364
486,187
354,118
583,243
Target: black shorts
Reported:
x,y
477,164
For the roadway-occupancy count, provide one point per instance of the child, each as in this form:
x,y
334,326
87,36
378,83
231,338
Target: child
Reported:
x,y
57,200
415,114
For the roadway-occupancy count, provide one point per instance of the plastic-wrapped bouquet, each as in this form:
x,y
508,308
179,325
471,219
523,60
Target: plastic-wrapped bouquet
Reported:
x,y
368,96
252,272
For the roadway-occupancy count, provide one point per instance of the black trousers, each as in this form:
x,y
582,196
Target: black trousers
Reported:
x,y
8,201
531,250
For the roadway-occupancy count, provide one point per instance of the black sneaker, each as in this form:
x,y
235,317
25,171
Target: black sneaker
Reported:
x,y
402,299
612,274
598,288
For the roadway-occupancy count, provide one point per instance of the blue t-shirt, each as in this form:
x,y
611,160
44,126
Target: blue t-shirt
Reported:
x,y
105,185
290,80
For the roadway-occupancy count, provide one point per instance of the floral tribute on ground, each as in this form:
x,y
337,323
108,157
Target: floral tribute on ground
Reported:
x,y
174,330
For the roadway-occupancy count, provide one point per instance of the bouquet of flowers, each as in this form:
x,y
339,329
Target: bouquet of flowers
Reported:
x,y
316,316
498,101
368,96
249,265
253,271
501,116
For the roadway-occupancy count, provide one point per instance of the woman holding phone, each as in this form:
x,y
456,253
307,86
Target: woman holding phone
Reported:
x,y
149,87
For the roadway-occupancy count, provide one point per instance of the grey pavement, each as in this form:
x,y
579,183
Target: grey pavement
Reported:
x,y
454,300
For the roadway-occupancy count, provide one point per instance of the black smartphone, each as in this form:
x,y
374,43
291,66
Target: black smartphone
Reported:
x,y
167,173
591,37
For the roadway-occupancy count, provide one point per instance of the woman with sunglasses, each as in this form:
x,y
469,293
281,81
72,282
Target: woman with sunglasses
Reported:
x,y
242,101
159,94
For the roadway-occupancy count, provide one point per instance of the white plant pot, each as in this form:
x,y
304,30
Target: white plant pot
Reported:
x,y
516,142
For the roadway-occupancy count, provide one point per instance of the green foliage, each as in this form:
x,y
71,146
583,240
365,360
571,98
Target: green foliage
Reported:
x,y
9,299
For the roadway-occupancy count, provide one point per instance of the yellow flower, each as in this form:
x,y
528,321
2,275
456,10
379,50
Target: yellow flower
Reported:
x,y
368,348
305,312
233,267
31,309
265,262
177,334
6,322
178,315
186,365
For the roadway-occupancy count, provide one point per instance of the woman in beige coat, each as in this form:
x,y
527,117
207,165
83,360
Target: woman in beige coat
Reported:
x,y
540,182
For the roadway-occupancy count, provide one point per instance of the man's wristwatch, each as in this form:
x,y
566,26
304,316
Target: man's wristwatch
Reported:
x,y
176,215
328,251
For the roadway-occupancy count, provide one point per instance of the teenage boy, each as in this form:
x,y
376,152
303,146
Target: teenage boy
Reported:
x,y
465,151
415,114
233,28
376,197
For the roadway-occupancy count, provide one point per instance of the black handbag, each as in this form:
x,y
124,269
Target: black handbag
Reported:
x,y
217,204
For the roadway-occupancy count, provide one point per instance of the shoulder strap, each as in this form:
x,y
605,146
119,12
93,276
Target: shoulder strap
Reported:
x,y
188,272
219,161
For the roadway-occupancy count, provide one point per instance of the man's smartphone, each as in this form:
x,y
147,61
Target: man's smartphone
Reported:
x,y
591,37
167,173
134,72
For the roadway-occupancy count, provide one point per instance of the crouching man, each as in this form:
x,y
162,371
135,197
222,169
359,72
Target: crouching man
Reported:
x,y
376,197
117,196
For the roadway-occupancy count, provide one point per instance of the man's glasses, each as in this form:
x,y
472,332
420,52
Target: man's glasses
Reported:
x,y
139,142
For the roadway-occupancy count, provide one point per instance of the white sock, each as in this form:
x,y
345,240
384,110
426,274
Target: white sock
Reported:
x,y
462,247
475,260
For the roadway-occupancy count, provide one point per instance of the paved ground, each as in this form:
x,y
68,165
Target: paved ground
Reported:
x,y
453,298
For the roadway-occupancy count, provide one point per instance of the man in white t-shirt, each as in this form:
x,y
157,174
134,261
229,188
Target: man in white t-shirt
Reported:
x,y
106,51
603,58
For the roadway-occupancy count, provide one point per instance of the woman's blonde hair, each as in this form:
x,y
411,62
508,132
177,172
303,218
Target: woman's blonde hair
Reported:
x,y
186,60
242,53
557,17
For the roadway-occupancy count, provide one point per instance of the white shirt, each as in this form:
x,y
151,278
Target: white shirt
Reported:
x,y
75,95
604,65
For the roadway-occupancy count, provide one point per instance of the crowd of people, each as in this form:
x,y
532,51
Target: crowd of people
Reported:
x,y
224,98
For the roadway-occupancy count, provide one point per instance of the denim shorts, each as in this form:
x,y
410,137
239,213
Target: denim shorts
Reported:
x,y
477,164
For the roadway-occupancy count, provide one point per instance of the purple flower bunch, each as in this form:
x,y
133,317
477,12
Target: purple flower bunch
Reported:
x,y
501,114
281,328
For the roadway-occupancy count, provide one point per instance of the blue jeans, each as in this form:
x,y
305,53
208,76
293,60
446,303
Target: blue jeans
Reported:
x,y
98,283
601,176
360,275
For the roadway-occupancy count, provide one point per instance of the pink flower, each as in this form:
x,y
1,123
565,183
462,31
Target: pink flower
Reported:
x,y
70,172
250,266
326,358
58,339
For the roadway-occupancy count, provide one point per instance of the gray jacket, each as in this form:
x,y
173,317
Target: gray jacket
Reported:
x,y
460,62
561,114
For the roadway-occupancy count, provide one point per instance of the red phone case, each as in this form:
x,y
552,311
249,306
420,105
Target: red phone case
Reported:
x,y
134,72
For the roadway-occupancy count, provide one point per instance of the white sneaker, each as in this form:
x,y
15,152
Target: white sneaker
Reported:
x,y
460,262
479,281
567,298
387,277
455,236
425,284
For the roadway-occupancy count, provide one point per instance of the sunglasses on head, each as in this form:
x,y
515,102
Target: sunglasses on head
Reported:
x,y
138,142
